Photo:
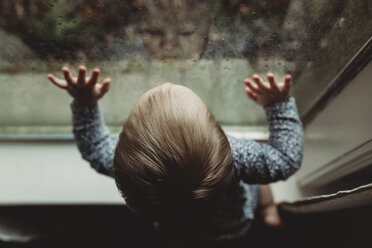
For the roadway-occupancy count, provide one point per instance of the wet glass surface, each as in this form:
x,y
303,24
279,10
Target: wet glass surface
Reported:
x,y
209,46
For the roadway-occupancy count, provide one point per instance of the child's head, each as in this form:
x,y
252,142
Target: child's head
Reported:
x,y
172,154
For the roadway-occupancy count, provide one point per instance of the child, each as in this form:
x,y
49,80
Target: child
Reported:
x,y
174,164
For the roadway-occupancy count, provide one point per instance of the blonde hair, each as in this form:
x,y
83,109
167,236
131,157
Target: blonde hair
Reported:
x,y
171,157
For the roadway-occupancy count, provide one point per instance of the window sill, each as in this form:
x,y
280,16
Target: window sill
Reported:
x,y
64,133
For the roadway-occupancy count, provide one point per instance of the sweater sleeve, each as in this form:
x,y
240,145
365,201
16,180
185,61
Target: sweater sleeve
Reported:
x,y
94,141
265,163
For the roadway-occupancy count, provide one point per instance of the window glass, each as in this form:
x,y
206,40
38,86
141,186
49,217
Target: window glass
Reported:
x,y
209,46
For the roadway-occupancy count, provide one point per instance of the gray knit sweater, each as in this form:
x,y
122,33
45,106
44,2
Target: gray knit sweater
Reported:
x,y
255,163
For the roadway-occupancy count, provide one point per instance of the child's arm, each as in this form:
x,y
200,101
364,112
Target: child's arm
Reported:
x,y
93,139
265,163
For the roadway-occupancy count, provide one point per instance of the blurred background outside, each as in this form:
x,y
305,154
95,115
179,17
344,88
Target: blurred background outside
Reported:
x,y
209,46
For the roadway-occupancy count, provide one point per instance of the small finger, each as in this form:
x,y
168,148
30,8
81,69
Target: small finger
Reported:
x,y
287,83
252,87
59,83
81,76
105,86
250,94
259,82
94,78
68,77
271,79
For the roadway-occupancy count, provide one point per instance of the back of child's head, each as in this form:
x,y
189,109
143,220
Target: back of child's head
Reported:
x,y
172,156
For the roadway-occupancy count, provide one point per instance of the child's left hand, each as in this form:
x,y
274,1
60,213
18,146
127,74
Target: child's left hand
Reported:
x,y
85,91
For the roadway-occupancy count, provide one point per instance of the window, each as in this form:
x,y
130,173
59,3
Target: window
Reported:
x,y
209,46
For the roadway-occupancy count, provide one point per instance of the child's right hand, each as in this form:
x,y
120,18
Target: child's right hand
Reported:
x,y
264,93
85,91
